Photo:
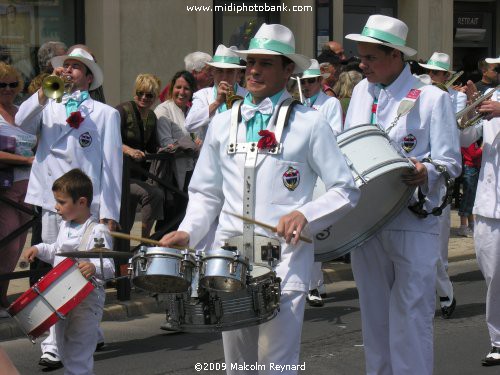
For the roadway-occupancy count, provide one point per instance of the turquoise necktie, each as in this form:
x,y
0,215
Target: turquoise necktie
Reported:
x,y
73,104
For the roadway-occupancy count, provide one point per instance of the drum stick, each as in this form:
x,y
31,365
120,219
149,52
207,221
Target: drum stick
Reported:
x,y
264,225
125,236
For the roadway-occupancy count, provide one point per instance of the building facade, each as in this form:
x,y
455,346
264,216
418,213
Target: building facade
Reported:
x,y
129,37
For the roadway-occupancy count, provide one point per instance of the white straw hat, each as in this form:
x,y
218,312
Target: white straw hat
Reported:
x,y
384,30
86,58
226,58
314,71
493,60
438,61
275,40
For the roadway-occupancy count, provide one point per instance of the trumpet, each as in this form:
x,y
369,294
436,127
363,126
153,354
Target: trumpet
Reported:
x,y
470,110
55,87
231,97
453,78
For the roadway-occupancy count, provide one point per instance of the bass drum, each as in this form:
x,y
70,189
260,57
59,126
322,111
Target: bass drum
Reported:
x,y
377,167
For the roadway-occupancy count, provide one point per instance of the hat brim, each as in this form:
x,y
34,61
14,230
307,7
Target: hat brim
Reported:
x,y
434,67
324,75
366,39
223,65
301,62
493,60
58,61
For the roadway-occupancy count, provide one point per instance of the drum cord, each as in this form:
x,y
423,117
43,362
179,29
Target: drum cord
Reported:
x,y
418,207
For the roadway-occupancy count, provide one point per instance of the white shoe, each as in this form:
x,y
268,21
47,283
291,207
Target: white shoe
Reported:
x,y
465,231
314,298
4,313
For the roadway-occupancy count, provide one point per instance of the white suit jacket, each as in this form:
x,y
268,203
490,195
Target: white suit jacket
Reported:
x,y
95,147
70,239
487,201
198,117
331,109
310,148
430,127
459,99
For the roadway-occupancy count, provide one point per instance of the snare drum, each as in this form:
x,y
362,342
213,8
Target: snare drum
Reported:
x,y
224,271
162,269
51,298
377,168
256,303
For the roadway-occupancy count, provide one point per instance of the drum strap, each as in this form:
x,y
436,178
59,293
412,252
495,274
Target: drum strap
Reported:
x,y
407,104
85,238
418,207
251,162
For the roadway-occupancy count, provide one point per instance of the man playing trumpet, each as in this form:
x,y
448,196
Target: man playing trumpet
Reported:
x,y
76,133
209,101
487,212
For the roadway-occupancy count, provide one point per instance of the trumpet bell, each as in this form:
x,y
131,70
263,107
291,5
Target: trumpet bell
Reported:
x,y
53,87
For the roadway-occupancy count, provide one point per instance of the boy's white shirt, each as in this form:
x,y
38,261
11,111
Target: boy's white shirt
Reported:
x,y
70,238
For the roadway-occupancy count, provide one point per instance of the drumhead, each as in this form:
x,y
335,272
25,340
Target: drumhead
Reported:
x,y
380,201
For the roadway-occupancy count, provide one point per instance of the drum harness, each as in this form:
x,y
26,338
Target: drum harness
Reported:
x,y
270,249
405,106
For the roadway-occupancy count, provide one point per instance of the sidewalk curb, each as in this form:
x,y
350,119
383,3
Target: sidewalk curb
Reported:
x,y
141,304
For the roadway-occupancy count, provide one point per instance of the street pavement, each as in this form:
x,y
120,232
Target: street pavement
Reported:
x,y
331,340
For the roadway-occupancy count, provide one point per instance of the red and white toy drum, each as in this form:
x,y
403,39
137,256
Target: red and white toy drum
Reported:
x,y
51,298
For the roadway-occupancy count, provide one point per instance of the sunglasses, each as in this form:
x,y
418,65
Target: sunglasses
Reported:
x,y
309,80
148,95
12,85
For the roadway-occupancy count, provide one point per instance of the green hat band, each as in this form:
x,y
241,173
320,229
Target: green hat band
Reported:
x,y
439,64
383,36
312,72
226,59
272,45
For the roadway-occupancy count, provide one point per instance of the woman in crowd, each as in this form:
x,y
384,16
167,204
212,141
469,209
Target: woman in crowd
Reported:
x,y
344,87
139,135
16,157
174,137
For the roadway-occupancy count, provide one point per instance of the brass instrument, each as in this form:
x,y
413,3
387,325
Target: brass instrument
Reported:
x,y
453,78
470,110
55,87
231,97
446,85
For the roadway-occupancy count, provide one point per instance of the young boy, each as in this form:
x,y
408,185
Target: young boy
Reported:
x,y
78,332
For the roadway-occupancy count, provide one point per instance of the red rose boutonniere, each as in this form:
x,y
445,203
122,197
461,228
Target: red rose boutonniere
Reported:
x,y
75,119
267,140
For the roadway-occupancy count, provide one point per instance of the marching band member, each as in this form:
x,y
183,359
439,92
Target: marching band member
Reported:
x,y
487,216
395,271
77,334
329,107
439,69
278,183
78,132
211,100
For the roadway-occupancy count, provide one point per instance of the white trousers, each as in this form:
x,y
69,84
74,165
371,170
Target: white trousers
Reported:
x,y
77,334
276,341
51,222
316,276
444,288
487,243
395,273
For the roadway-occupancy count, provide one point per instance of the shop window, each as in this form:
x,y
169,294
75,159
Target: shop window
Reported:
x,y
26,25
235,23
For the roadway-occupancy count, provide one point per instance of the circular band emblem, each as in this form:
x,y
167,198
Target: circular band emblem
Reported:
x,y
85,139
409,142
291,178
